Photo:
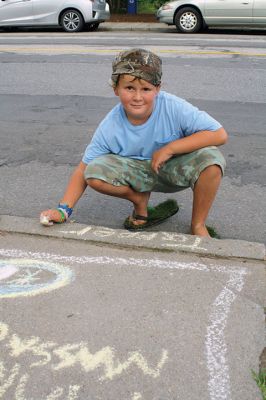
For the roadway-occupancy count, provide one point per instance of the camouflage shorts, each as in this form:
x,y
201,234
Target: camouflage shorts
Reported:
x,y
177,174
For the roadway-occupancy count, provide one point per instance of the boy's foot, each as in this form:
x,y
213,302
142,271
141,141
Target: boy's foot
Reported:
x,y
156,215
200,230
205,231
140,207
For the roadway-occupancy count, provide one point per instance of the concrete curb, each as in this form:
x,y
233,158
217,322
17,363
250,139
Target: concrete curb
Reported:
x,y
161,27
136,26
160,241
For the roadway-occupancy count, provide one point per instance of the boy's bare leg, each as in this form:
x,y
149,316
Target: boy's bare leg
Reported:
x,y
204,194
139,199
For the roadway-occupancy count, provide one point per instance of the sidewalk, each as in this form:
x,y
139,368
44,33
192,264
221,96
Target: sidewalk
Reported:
x,y
122,316
163,28
136,26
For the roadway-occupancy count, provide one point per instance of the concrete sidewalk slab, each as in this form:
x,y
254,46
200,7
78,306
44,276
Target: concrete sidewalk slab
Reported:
x,y
161,241
136,26
161,27
86,322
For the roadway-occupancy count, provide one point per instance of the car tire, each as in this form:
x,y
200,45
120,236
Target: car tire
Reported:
x,y
72,21
188,20
93,27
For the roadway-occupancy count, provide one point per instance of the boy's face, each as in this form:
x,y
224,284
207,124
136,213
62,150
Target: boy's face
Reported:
x,y
137,97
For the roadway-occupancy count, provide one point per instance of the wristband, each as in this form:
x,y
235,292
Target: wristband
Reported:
x,y
66,209
63,217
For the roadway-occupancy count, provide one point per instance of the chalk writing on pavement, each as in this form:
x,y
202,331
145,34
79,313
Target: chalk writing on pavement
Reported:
x,y
78,355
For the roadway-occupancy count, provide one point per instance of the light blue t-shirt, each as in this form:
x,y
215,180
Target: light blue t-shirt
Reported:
x,y
172,118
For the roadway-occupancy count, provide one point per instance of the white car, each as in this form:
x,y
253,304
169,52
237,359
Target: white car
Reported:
x,y
72,15
190,16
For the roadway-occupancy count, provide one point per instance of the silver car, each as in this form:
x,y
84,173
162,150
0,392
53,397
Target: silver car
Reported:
x,y
72,15
192,15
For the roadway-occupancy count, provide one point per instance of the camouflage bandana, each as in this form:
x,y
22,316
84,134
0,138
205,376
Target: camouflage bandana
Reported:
x,y
140,63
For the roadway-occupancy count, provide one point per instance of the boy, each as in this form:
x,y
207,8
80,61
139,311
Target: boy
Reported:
x,y
150,141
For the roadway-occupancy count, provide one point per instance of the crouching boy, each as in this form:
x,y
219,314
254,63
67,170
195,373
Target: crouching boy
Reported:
x,y
152,141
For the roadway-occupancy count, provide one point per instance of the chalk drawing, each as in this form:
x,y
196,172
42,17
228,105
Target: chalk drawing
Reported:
x,y
69,355
147,263
178,240
219,382
215,344
54,395
182,241
7,271
27,277
9,378
63,357
137,396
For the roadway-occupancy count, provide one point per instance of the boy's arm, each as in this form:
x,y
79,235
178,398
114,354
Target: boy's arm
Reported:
x,y
75,188
188,144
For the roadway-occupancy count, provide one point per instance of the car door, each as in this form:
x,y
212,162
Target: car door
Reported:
x,y
259,12
46,11
15,12
228,12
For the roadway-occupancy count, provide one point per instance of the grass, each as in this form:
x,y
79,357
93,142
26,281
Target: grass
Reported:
x,y
260,379
166,208
212,232
146,8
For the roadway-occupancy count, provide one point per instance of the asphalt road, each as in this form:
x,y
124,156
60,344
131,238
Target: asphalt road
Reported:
x,y
54,91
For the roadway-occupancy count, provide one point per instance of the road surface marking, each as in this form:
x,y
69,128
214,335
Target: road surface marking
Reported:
x,y
79,49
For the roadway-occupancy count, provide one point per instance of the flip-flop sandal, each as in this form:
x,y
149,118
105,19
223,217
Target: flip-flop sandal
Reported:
x,y
156,215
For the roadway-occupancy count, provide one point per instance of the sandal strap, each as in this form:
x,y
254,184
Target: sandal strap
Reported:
x,y
139,217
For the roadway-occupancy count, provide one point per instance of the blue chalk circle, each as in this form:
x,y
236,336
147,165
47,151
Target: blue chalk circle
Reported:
x,y
28,277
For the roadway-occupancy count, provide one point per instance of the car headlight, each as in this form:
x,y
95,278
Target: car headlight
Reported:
x,y
167,6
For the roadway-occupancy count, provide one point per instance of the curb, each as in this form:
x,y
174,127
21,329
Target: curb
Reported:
x,y
136,26
148,240
161,27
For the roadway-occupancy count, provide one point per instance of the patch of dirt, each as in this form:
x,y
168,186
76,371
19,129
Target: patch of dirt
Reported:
x,y
149,18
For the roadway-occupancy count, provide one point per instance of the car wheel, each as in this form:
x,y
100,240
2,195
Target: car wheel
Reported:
x,y
72,21
188,20
93,27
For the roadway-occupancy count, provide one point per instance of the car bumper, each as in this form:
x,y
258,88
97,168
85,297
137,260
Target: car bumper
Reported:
x,y
101,15
165,16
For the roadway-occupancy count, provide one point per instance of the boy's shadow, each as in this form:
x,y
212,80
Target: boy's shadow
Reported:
x,y
99,210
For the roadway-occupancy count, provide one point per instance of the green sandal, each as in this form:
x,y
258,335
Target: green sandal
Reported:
x,y
156,215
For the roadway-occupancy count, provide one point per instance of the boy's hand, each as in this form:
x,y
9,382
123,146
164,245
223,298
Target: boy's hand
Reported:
x,y
159,157
48,217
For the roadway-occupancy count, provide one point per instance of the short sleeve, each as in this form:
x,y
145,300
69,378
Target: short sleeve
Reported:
x,y
193,120
96,148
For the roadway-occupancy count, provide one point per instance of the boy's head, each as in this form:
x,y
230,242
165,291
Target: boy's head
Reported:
x,y
141,63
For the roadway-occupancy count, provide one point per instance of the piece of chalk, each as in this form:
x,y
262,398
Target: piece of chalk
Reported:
x,y
44,220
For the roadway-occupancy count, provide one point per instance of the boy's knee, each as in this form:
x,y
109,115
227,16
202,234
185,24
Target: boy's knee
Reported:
x,y
216,171
213,171
94,183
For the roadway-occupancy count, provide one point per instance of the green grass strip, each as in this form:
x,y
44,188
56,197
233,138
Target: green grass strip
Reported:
x,y
260,379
